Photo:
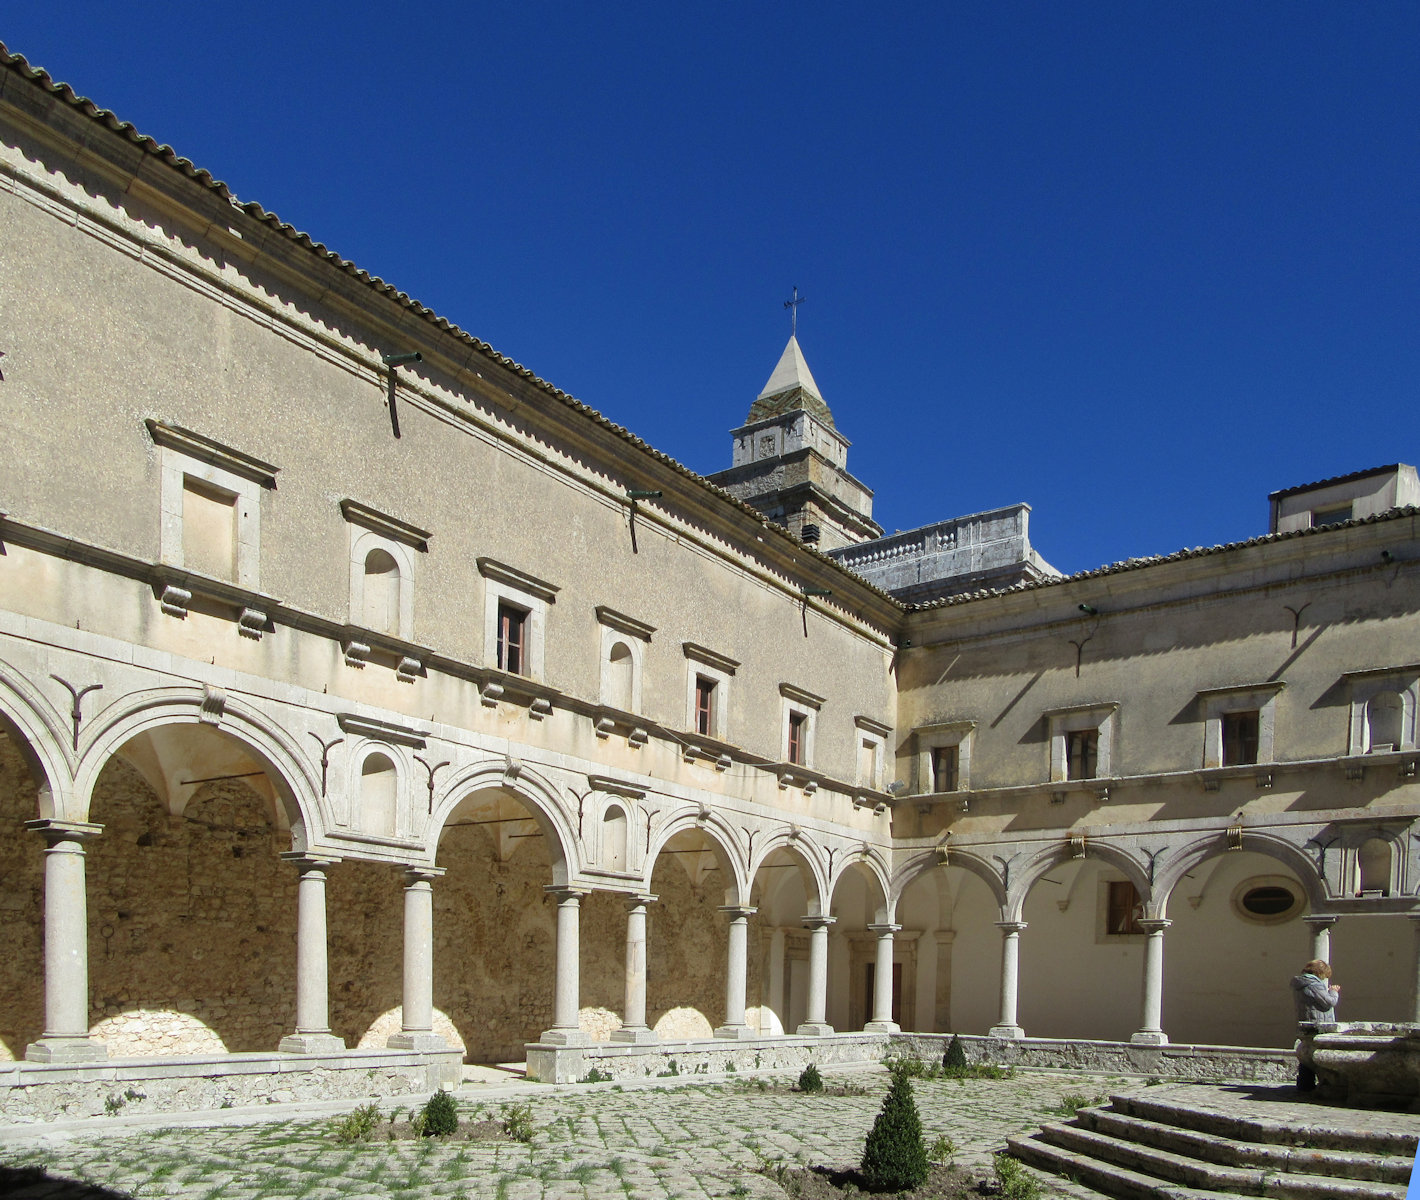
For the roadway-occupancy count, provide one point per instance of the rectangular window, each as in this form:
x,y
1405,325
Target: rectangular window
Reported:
x,y
704,705
1123,911
209,529
512,639
944,768
1240,730
868,762
1331,516
1081,753
798,730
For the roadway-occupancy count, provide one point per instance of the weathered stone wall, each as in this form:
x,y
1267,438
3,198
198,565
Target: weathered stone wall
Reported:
x,y
687,951
21,908
365,920
192,921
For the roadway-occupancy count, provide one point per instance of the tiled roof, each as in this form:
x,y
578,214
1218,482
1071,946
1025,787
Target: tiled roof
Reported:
x,y
1320,483
1135,564
20,67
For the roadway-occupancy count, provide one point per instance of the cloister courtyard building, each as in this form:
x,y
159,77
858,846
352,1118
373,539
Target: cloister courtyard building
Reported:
x,y
361,691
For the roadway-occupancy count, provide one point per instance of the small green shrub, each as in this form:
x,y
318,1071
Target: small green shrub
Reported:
x,y
1016,1182
913,1068
942,1149
955,1055
596,1075
518,1122
358,1125
441,1115
810,1080
894,1158
1072,1102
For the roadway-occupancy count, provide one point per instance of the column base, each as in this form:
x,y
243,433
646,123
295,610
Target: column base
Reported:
x,y
562,1037
737,1032
1150,1037
814,1029
311,1043
1013,1032
416,1041
65,1050
882,1027
641,1035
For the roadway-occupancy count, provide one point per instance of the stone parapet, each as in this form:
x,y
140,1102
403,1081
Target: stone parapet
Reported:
x,y
721,1056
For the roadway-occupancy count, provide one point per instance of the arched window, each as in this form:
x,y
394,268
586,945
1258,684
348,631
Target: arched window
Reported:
x,y
614,839
620,669
379,795
381,592
1373,867
1385,713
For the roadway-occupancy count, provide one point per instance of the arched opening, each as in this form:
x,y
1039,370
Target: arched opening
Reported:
x,y
379,795
620,677
1373,867
192,915
784,892
688,939
858,901
22,898
614,838
381,592
958,949
1385,719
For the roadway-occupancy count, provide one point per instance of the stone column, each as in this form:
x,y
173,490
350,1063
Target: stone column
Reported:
x,y
816,1017
633,1022
882,1021
1321,936
66,945
1151,1030
778,940
737,974
566,1030
313,1035
417,1020
1010,972
943,1021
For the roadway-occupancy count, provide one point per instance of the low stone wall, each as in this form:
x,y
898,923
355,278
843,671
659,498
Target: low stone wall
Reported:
x,y
32,1092
710,1056
1182,1062
1364,1064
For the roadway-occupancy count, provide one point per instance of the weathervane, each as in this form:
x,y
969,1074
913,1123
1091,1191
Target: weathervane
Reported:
x,y
793,307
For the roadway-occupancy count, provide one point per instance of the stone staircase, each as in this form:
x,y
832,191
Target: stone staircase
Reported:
x,y
1171,1147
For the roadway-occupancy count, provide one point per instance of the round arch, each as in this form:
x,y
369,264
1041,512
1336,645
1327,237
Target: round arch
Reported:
x,y
869,864
925,863
1050,857
811,864
35,728
276,752
1198,852
723,844
536,794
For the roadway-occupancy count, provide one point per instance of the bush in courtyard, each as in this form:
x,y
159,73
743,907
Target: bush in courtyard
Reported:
x,y
894,1158
810,1080
441,1115
1016,1182
358,1125
955,1057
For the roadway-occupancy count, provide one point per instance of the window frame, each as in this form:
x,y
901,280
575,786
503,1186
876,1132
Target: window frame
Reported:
x,y
1101,718
868,730
717,669
636,636
371,530
507,586
931,738
796,704
1217,702
1365,687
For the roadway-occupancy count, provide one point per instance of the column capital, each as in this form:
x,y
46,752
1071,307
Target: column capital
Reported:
x,y
565,893
54,830
884,930
304,861
1327,920
1153,924
736,911
945,937
1011,926
818,922
417,875
640,900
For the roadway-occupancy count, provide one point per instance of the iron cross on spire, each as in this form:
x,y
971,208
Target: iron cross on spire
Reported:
x,y
793,307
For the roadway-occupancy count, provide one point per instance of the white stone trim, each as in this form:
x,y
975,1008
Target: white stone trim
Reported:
x,y
1366,686
1245,698
934,737
176,467
362,542
791,702
719,709
1100,717
498,588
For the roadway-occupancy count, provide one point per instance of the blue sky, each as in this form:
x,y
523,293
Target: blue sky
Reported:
x,y
1136,264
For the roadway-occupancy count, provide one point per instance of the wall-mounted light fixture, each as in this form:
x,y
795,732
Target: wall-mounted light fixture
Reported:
x,y
635,494
392,361
1387,556
1088,609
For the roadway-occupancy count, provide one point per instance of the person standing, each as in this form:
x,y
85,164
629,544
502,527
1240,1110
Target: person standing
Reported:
x,y
1316,999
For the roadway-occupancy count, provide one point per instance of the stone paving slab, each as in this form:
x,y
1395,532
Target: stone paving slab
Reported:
x,y
659,1141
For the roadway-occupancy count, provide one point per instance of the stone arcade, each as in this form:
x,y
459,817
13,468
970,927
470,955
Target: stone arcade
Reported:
x,y
368,704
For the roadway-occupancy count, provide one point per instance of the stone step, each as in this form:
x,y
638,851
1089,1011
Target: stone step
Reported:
x,y
1227,1151
1316,1135
1168,1167
1108,1178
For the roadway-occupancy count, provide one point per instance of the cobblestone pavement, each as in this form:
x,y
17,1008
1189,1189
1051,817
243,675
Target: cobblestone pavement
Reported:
x,y
646,1142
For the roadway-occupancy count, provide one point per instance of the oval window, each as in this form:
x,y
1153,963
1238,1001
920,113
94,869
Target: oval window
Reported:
x,y
1267,899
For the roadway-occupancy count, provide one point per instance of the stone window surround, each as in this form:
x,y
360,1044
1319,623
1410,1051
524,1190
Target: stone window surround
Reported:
x,y
1365,686
1103,937
1246,697
507,585
705,663
805,704
875,732
636,636
935,736
371,530
185,455
1101,717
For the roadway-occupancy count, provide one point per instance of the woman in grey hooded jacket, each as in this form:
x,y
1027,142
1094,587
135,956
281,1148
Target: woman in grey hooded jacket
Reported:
x,y
1316,999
